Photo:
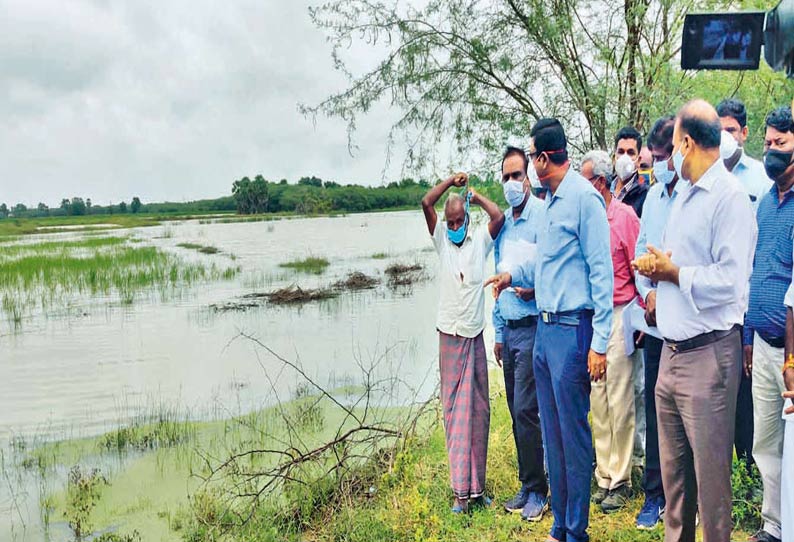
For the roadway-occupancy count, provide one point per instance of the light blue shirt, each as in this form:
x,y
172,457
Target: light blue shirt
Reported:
x,y
711,232
573,270
655,212
523,229
752,176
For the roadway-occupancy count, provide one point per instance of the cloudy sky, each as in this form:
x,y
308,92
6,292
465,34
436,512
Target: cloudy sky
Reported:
x,y
169,100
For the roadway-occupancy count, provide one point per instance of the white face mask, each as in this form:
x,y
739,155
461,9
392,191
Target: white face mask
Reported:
x,y
514,192
625,167
728,145
532,175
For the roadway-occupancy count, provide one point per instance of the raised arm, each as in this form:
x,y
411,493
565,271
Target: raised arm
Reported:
x,y
497,217
435,193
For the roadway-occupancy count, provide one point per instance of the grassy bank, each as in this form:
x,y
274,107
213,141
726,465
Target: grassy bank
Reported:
x,y
386,498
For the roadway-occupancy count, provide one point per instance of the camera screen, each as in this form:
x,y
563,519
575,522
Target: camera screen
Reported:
x,y
722,41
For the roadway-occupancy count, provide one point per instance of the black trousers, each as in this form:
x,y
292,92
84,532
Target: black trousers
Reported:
x,y
652,477
743,437
522,400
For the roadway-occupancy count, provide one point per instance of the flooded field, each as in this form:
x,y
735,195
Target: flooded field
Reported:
x,y
178,329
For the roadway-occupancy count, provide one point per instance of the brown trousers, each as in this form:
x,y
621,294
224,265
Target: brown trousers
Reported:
x,y
696,408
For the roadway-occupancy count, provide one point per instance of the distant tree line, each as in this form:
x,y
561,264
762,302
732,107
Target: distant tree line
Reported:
x,y
75,206
311,195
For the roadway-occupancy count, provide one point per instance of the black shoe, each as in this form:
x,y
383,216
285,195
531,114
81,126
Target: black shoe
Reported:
x,y
617,499
763,536
599,495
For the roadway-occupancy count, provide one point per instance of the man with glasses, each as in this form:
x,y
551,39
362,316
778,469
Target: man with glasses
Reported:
x,y
612,398
656,209
572,276
515,319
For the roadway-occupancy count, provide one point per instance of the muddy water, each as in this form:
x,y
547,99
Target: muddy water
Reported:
x,y
98,364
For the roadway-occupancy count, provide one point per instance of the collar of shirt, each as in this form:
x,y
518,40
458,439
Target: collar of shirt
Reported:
x,y
612,208
524,213
776,195
628,186
563,188
711,176
743,162
663,194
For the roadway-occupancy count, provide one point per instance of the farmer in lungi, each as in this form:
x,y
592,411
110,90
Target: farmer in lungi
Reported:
x,y
463,251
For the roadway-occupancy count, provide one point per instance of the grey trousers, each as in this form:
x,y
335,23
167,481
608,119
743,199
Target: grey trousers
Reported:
x,y
695,408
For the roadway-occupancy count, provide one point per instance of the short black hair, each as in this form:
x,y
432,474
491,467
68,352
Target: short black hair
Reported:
x,y
550,138
661,134
733,108
780,119
704,132
510,151
629,132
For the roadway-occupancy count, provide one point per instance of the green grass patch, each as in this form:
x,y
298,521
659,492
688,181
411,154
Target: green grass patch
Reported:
x,y
54,273
204,249
313,265
379,256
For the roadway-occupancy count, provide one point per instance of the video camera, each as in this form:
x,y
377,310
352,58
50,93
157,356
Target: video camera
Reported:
x,y
733,41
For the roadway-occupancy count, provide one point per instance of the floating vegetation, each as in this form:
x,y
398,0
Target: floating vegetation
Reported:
x,y
295,294
405,274
313,265
204,249
357,281
53,273
379,256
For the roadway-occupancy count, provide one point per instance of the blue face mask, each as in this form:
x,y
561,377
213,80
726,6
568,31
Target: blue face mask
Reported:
x,y
662,174
458,236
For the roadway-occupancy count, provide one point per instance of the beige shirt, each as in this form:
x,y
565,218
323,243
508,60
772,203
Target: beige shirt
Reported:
x,y
461,307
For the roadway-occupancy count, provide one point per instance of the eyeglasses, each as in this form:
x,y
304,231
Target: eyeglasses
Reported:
x,y
514,176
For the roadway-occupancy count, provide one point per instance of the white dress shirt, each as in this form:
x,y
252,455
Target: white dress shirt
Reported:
x,y
712,233
461,306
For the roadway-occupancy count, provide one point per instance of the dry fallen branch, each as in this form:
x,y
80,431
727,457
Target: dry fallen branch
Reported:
x,y
363,444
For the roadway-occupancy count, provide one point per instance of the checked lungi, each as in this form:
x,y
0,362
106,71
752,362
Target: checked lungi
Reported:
x,y
467,412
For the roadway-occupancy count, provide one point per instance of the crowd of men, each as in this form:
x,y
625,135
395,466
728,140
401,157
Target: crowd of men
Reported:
x,y
642,308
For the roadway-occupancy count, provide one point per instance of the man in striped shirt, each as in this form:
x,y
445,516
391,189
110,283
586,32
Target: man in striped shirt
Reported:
x,y
765,323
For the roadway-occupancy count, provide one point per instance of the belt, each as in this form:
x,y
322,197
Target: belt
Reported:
x,y
526,321
774,342
699,340
570,318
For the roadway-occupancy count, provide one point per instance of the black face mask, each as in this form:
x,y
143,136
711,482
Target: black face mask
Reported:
x,y
776,163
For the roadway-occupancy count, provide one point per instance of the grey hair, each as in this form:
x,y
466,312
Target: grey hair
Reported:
x,y
602,163
453,197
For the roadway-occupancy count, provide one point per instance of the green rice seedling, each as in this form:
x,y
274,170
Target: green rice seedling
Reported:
x,y
44,275
311,264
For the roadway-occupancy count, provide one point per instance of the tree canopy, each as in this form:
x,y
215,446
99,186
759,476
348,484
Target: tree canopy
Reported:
x,y
479,72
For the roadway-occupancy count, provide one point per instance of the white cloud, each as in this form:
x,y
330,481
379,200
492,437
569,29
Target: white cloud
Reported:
x,y
168,100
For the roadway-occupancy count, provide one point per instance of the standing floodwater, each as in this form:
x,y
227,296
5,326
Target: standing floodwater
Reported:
x,y
94,363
